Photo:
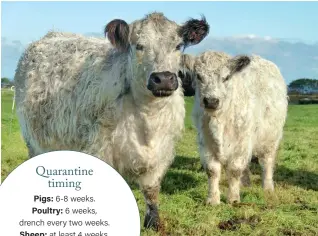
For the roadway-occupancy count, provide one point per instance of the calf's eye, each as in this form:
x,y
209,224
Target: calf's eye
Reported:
x,y
139,47
199,77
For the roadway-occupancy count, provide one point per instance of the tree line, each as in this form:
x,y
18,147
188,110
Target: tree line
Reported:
x,y
6,82
303,86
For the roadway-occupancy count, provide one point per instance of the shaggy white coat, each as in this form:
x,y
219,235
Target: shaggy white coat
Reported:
x,y
249,121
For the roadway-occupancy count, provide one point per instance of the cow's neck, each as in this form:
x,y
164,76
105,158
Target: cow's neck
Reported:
x,y
147,103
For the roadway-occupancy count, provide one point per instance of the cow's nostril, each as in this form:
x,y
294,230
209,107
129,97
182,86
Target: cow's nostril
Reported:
x,y
157,80
205,101
172,77
215,101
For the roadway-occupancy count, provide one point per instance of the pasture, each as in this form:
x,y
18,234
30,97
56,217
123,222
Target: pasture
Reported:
x,y
291,210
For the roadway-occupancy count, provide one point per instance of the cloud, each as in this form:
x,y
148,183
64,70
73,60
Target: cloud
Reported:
x,y
11,50
268,38
249,37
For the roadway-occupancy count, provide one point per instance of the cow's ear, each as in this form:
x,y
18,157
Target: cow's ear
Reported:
x,y
194,31
235,65
117,32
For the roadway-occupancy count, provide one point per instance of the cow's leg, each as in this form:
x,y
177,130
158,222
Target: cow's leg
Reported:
x,y
235,169
267,161
151,194
150,183
213,170
204,152
234,175
245,179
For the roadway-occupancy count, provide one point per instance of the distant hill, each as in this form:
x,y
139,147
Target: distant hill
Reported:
x,y
295,59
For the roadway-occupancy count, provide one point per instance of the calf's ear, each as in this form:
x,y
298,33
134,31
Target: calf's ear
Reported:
x,y
117,32
235,65
194,31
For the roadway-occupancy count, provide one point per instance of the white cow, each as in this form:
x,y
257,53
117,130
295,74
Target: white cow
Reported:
x,y
117,99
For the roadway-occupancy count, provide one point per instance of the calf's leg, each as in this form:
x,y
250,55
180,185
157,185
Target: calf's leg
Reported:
x,y
213,170
235,169
234,176
268,163
245,179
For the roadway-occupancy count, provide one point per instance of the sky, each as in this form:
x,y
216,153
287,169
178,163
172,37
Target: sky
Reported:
x,y
295,21
283,32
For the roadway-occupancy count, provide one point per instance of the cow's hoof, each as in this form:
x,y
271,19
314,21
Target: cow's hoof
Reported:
x,y
152,220
213,201
268,185
233,198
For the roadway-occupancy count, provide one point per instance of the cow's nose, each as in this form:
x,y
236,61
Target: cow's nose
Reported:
x,y
211,103
163,77
163,81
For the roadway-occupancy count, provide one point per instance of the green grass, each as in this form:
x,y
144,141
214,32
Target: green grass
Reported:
x,y
292,210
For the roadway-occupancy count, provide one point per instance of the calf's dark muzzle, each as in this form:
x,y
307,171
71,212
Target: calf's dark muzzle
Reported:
x,y
211,103
162,84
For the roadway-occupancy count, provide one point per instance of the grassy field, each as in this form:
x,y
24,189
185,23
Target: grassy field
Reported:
x,y
292,210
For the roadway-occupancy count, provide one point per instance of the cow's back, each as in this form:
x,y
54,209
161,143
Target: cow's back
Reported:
x,y
64,82
262,94
56,59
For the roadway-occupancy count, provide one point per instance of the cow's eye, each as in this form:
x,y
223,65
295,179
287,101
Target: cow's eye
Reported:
x,y
179,46
139,47
199,77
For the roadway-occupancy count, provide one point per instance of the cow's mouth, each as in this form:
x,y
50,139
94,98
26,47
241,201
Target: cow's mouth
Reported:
x,y
162,93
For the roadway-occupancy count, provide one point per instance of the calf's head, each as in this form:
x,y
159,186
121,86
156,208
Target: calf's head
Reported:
x,y
213,84
155,45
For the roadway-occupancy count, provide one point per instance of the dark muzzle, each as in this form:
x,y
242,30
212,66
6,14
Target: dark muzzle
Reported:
x,y
211,103
162,84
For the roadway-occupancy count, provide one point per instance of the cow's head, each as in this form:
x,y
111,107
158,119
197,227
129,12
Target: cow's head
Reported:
x,y
213,77
155,45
